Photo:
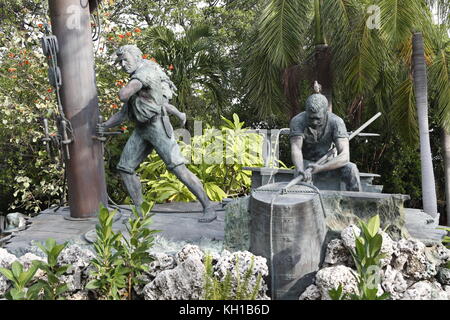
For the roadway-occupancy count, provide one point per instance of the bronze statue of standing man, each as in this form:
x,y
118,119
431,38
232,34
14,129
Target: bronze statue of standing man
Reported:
x,y
146,103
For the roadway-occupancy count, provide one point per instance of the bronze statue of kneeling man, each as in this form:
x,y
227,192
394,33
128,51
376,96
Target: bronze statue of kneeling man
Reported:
x,y
146,102
313,132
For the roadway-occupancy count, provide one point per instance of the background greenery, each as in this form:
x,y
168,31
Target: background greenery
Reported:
x,y
212,53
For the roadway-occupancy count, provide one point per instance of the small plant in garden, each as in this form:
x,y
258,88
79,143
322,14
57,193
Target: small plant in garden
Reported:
x,y
134,251
110,272
121,261
367,256
23,286
21,279
53,288
217,289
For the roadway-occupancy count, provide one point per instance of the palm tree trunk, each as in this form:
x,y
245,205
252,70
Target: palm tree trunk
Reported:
x,y
446,145
421,93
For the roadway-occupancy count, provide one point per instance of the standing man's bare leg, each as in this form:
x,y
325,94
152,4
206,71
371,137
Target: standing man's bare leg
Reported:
x,y
134,188
195,186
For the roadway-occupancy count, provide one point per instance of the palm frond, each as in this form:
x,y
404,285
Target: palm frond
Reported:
x,y
439,75
362,59
399,18
278,38
281,27
404,111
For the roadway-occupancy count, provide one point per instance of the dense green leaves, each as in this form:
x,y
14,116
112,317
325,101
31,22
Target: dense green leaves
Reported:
x,y
20,279
366,255
217,158
110,273
25,287
53,288
121,259
216,288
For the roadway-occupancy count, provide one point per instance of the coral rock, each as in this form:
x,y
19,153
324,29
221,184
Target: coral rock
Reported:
x,y
443,276
411,259
76,256
337,253
184,282
388,248
242,259
79,295
348,236
189,251
6,258
330,278
425,290
392,282
311,293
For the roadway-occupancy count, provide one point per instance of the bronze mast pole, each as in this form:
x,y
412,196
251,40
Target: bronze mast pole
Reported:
x,y
70,20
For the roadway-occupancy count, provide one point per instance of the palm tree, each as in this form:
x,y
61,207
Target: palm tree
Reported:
x,y
194,64
421,93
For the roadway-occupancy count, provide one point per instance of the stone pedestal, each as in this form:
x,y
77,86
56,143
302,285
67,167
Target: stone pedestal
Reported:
x,y
341,207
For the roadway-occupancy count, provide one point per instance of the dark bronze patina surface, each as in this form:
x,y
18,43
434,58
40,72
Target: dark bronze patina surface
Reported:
x,y
85,168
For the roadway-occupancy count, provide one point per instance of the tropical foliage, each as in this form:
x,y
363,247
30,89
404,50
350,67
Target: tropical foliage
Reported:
x,y
249,57
27,286
369,45
217,158
366,255
231,287
121,260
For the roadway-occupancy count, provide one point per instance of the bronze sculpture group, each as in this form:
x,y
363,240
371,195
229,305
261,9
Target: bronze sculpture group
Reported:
x,y
146,102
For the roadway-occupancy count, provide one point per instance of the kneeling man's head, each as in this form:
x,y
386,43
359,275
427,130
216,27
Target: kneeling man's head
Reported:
x,y
316,110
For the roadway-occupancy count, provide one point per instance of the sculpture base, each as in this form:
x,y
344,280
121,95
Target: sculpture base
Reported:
x,y
342,208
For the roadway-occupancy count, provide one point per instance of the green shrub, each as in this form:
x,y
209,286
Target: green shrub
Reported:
x,y
222,178
53,288
119,261
26,288
217,289
135,250
110,272
367,256
21,279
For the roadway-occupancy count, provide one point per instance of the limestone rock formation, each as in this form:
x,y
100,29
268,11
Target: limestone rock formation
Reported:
x,y
6,259
184,282
189,251
410,270
348,236
311,293
444,276
183,276
392,282
238,264
75,256
331,277
425,290
337,253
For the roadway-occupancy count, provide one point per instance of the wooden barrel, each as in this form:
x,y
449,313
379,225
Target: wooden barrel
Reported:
x,y
290,228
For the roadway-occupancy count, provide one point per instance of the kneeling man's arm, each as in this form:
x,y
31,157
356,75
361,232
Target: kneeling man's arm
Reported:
x,y
343,157
296,153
